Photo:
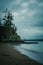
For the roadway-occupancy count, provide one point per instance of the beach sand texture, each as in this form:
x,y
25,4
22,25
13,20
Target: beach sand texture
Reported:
x,y
10,56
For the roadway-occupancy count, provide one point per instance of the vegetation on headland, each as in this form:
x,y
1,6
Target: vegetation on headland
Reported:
x,y
8,30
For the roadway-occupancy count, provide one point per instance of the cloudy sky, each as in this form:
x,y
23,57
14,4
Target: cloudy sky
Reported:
x,y
28,17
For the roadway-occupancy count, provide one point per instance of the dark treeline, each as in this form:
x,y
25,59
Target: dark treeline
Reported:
x,y
8,29
33,39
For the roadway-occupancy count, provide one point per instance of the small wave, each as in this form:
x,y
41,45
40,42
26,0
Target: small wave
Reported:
x,y
32,51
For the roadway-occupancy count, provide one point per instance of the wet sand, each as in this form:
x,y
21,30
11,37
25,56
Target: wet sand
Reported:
x,y
10,56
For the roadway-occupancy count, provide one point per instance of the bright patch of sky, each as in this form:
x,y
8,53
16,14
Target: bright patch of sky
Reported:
x,y
28,16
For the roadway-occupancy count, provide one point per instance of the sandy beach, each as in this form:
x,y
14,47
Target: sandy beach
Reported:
x,y
10,56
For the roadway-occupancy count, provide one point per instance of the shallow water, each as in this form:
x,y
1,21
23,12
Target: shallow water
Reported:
x,y
34,51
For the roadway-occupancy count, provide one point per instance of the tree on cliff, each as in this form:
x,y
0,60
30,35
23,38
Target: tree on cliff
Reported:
x,y
10,28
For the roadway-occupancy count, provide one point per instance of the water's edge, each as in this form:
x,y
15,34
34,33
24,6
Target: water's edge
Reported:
x,y
28,50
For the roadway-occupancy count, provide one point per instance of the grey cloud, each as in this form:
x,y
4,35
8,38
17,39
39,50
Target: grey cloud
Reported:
x,y
16,7
39,1
37,36
33,17
4,4
25,0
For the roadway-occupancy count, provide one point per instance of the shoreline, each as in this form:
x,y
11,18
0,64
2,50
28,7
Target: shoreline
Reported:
x,y
20,42
10,56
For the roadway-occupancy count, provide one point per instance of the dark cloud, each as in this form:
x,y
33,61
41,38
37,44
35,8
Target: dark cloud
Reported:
x,y
37,36
5,4
39,1
25,0
28,14
16,7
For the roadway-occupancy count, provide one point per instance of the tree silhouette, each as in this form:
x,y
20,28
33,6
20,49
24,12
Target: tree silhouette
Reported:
x,y
10,28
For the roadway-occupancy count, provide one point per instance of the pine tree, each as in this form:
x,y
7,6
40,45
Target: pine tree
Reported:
x,y
10,28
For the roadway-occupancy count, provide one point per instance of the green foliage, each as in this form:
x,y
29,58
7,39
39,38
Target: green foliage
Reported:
x,y
10,28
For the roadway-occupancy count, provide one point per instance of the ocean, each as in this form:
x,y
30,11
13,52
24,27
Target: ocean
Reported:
x,y
34,51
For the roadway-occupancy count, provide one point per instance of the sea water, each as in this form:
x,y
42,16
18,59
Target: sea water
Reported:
x,y
34,51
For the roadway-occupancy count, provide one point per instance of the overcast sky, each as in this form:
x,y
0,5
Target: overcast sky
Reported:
x,y
28,17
